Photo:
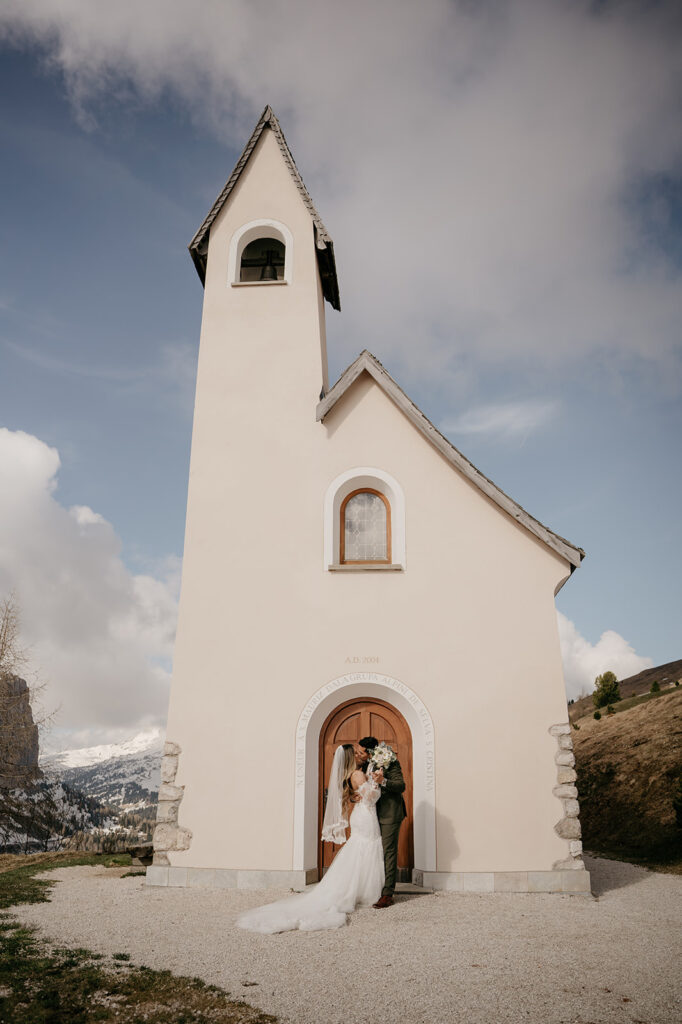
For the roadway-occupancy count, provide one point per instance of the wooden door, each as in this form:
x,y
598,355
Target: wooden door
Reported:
x,y
347,724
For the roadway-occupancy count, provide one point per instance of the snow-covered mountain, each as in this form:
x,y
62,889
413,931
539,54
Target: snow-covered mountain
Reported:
x,y
122,775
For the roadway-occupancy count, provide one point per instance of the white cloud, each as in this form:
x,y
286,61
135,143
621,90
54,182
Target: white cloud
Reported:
x,y
513,420
475,163
584,661
100,636
85,516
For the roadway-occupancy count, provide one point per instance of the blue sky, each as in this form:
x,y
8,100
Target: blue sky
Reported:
x,y
505,196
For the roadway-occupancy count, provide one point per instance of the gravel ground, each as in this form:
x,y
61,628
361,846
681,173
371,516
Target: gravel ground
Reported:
x,y
440,957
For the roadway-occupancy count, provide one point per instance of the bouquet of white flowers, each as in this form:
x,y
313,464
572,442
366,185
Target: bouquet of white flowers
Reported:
x,y
381,757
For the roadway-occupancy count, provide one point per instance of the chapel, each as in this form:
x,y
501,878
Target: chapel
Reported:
x,y
348,572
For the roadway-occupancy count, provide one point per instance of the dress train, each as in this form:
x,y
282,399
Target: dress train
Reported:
x,y
355,879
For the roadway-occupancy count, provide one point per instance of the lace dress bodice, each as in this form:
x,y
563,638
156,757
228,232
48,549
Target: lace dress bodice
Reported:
x,y
363,817
369,792
355,878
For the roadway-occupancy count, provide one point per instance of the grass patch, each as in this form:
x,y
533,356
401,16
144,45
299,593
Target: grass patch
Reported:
x,y
642,698
41,984
17,881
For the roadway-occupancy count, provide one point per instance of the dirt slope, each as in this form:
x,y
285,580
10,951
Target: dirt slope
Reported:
x,y
628,767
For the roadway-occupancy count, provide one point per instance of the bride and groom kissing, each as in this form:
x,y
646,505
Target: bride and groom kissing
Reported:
x,y
365,795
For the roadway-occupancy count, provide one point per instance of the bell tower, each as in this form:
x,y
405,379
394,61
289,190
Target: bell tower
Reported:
x,y
267,265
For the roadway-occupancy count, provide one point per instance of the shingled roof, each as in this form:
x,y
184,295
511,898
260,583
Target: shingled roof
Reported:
x,y
324,246
367,363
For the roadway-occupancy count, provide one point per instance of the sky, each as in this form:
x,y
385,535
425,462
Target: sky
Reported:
x,y
503,184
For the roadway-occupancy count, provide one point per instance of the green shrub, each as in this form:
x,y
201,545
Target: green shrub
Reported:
x,y
606,690
597,715
655,687
610,710
576,726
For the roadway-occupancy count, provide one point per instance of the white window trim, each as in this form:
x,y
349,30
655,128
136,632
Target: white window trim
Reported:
x,y
249,233
339,488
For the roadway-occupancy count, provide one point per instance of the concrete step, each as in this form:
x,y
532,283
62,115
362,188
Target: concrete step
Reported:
x,y
410,889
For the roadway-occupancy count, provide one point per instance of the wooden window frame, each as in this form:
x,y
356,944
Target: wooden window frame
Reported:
x,y
342,537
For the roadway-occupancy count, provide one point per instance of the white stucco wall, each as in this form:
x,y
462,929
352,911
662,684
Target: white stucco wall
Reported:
x,y
469,626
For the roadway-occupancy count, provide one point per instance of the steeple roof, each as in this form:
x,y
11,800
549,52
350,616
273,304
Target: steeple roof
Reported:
x,y
367,363
324,245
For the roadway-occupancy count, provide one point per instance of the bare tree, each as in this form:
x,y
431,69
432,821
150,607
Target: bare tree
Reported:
x,y
13,656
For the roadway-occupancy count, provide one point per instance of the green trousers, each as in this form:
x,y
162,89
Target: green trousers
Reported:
x,y
389,841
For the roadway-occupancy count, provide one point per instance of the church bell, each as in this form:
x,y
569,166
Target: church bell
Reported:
x,y
269,271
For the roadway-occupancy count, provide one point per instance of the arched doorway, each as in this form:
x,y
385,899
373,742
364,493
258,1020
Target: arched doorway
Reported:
x,y
348,723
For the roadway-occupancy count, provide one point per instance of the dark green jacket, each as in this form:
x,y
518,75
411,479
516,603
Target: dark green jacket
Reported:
x,y
391,805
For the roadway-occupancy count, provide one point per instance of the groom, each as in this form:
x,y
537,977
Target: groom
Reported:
x,y
391,811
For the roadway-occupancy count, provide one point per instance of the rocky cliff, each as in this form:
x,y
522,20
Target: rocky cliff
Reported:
x,y
18,735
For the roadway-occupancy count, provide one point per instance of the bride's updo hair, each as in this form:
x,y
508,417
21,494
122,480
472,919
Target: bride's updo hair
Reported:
x,y
348,769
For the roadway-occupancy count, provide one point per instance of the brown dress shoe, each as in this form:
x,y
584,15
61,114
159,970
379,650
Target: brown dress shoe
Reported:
x,y
383,901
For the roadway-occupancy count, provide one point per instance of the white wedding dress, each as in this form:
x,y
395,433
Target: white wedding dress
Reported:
x,y
355,879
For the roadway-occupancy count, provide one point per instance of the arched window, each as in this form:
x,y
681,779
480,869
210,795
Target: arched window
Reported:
x,y
375,538
262,260
365,528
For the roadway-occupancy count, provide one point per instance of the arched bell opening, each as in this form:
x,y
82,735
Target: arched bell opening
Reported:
x,y
263,260
261,252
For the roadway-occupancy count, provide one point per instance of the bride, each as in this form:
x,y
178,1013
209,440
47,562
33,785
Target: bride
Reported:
x,y
356,875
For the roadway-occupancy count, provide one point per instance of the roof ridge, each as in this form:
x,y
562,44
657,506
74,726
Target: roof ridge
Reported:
x,y
289,158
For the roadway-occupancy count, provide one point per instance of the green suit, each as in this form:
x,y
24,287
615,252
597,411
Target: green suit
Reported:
x,y
391,811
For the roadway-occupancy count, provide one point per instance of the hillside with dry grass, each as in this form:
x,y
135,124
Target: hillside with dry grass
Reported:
x,y
629,765
634,686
